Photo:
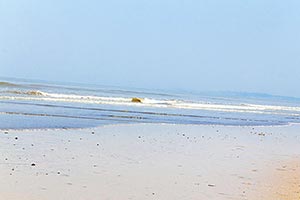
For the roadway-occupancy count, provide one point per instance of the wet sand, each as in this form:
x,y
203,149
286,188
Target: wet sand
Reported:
x,y
151,161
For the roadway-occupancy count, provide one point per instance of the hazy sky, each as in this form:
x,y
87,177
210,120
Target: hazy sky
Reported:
x,y
212,45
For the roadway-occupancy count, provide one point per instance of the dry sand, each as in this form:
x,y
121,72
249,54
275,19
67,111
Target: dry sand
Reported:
x,y
151,161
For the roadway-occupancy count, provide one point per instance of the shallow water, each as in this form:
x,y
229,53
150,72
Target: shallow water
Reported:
x,y
38,104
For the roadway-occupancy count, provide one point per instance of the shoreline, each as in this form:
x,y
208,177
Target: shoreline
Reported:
x,y
151,161
134,124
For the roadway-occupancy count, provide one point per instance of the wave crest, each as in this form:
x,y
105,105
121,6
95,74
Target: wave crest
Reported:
x,y
36,95
31,92
7,84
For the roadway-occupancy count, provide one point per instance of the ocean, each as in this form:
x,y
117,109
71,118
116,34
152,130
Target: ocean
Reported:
x,y
28,104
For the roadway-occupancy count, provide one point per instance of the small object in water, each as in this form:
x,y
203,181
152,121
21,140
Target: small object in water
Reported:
x,y
136,100
35,93
211,185
16,138
32,164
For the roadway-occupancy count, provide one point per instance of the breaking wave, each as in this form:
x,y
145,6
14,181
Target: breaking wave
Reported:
x,y
31,92
33,95
7,84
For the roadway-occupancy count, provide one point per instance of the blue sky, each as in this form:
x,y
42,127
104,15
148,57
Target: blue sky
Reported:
x,y
212,45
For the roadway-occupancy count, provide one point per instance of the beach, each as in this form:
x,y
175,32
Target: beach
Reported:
x,y
151,161
149,100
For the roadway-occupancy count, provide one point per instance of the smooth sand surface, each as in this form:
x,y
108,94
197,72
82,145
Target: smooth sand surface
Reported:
x,y
151,161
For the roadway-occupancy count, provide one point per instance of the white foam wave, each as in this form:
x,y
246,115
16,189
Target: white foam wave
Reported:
x,y
122,101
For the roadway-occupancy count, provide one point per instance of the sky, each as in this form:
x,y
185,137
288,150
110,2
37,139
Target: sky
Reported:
x,y
192,45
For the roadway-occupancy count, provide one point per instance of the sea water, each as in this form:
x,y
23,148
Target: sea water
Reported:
x,y
40,104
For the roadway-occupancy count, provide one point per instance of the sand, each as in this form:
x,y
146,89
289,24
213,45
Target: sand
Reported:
x,y
151,161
